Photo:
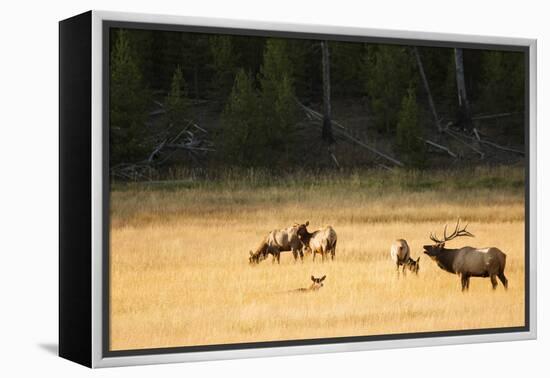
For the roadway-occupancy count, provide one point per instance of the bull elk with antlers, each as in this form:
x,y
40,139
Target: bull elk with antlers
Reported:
x,y
467,261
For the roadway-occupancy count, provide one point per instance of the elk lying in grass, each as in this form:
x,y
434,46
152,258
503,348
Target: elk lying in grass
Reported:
x,y
468,261
278,241
316,285
321,241
400,254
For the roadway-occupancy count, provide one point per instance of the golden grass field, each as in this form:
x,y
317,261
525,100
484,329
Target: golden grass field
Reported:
x,y
180,274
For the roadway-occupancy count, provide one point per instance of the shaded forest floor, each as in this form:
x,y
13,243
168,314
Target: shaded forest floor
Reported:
x,y
355,117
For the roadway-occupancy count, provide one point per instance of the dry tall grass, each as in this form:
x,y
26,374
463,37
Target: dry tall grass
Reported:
x,y
180,273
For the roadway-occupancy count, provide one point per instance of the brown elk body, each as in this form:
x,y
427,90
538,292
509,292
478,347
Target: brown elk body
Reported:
x,y
278,241
400,254
321,242
468,262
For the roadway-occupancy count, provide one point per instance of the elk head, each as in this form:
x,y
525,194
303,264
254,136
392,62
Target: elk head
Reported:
x,y
301,230
301,227
317,282
255,258
252,259
414,265
434,250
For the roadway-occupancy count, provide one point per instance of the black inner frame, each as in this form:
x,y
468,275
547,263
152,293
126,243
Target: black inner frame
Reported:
x,y
106,325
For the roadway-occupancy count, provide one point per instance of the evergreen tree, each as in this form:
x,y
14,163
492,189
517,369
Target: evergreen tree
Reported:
x,y
279,110
276,64
409,130
299,52
347,68
439,67
195,55
177,105
258,127
128,104
286,116
143,49
224,63
250,52
389,70
503,82
242,140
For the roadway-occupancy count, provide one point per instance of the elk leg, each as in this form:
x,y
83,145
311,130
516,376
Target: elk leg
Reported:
x,y
465,280
503,279
314,253
295,254
404,272
302,255
494,281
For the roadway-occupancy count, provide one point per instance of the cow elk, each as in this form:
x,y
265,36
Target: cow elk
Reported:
x,y
321,242
400,254
275,242
467,261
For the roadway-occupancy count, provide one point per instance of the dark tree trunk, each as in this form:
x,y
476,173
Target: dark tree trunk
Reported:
x,y
464,113
327,111
427,87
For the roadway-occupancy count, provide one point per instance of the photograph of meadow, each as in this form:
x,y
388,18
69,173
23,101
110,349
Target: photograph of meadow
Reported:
x,y
273,189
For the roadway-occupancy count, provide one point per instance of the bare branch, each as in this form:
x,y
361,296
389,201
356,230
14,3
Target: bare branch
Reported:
x,y
502,147
342,132
452,134
446,149
491,116
492,144
427,88
334,159
156,151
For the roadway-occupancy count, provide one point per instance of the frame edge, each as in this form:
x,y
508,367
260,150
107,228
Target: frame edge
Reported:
x,y
98,360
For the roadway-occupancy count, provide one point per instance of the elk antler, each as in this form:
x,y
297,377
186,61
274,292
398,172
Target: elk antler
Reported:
x,y
457,232
435,239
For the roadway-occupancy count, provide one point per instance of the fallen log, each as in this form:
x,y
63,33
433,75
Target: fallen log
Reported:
x,y
494,145
508,149
334,159
446,149
370,148
491,116
316,115
342,132
457,137
156,151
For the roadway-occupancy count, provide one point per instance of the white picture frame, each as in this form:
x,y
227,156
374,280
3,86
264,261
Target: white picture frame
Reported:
x,y
98,358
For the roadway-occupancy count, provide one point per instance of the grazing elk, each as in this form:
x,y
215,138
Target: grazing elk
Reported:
x,y
278,241
400,254
321,241
316,285
467,261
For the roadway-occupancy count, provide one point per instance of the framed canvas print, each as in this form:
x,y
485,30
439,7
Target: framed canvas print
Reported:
x,y
237,189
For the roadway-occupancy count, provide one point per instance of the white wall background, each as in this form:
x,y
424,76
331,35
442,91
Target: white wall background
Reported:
x,y
28,194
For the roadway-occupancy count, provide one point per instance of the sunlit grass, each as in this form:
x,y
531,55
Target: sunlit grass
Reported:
x,y
180,273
